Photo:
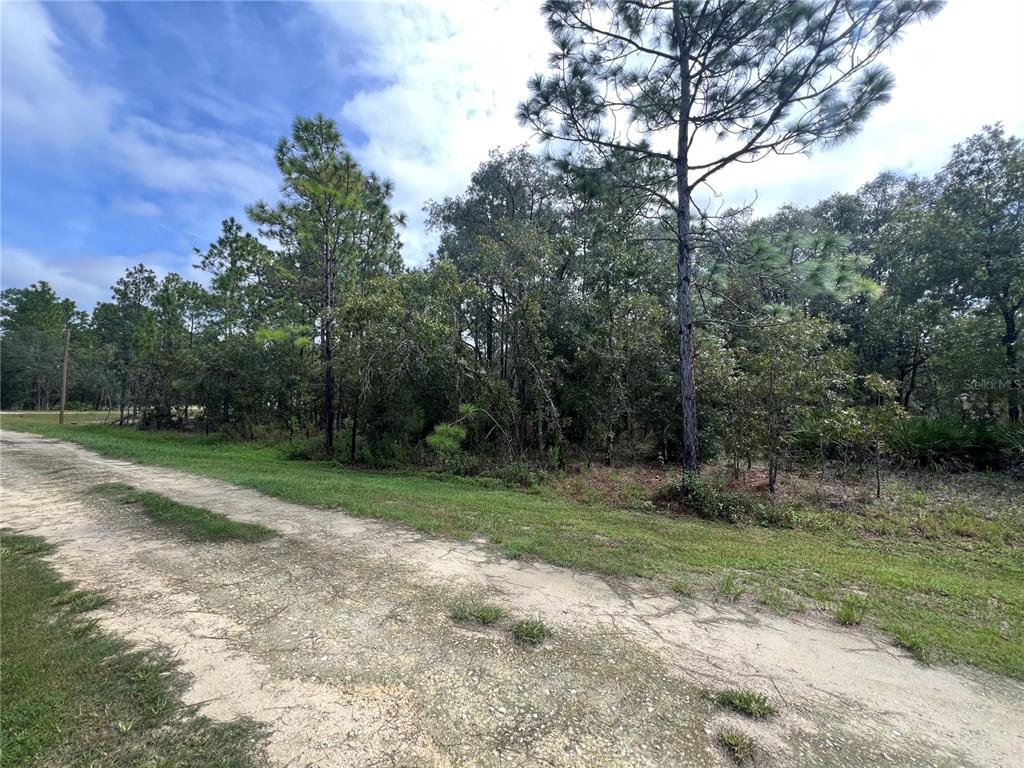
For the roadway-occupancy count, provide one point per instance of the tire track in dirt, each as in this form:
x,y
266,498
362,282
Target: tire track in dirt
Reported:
x,y
337,637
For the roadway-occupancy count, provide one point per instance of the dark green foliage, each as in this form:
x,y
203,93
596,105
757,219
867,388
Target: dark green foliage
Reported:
x,y
516,475
74,695
302,449
958,445
707,496
544,334
194,522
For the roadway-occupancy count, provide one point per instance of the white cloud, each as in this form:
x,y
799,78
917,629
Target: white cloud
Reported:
x,y
42,103
85,278
454,73
447,76
954,74
45,105
136,206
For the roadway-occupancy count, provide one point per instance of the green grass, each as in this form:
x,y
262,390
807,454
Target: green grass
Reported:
x,y
750,703
196,523
74,695
730,586
682,588
481,614
531,631
851,610
964,598
741,749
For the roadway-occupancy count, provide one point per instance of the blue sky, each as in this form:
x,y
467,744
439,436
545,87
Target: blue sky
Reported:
x,y
130,130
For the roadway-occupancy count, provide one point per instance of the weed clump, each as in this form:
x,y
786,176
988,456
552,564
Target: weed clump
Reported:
x,y
481,614
851,610
740,747
746,702
730,587
531,631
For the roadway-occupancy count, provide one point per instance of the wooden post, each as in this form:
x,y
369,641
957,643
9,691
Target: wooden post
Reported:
x,y
64,374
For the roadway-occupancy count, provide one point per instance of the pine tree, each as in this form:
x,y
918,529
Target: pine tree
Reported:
x,y
652,77
335,224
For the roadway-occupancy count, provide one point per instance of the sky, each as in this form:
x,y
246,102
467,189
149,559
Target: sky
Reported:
x,y
131,129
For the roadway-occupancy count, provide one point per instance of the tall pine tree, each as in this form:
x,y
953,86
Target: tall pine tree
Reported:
x,y
654,78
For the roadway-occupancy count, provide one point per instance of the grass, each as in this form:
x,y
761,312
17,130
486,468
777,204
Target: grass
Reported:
x,y
911,639
781,601
746,702
481,614
851,610
531,631
74,695
964,596
730,586
741,748
682,588
196,523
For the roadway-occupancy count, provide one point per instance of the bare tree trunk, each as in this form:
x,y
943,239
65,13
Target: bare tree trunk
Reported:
x,y
327,354
64,374
1012,365
355,429
684,287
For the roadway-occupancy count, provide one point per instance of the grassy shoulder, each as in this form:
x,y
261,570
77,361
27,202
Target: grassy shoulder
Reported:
x,y
196,523
74,695
958,600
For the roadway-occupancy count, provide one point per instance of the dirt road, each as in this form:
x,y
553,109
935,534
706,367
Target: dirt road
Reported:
x,y
337,635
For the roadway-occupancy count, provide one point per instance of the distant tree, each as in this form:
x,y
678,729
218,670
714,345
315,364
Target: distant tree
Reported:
x,y
32,323
125,324
977,238
239,266
774,76
335,226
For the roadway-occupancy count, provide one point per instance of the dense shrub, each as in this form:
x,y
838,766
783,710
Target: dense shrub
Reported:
x,y
959,445
706,497
302,449
516,475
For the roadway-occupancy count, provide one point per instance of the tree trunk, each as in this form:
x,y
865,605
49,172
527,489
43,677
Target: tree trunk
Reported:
x,y
355,430
684,299
327,354
1012,366
64,374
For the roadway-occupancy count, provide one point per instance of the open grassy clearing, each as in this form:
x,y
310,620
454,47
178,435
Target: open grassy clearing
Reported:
x,y
944,596
194,522
74,695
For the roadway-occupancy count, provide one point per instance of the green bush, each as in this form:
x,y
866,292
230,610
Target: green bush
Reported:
x,y
517,475
302,449
776,515
705,497
959,445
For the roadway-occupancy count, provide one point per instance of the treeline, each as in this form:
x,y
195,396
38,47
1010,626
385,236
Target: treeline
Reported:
x,y
544,327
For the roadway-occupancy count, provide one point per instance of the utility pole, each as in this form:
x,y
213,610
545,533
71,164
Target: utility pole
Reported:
x,y
64,374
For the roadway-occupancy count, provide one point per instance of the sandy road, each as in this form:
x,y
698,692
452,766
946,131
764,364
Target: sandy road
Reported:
x,y
337,636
